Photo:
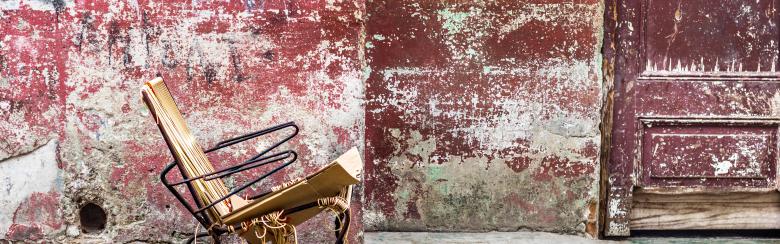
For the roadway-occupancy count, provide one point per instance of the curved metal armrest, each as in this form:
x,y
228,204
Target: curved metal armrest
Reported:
x,y
239,189
241,167
253,162
201,210
239,139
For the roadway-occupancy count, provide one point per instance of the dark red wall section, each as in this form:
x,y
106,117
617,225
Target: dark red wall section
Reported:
x,y
482,115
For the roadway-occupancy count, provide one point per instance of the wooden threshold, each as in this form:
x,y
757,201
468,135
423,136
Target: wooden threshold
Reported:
x,y
701,211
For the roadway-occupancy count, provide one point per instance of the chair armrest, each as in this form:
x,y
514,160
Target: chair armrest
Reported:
x,y
239,139
258,157
255,161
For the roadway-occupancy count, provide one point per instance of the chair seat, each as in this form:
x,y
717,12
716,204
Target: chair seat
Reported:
x,y
328,182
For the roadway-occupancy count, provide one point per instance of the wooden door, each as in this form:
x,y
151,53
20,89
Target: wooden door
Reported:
x,y
696,111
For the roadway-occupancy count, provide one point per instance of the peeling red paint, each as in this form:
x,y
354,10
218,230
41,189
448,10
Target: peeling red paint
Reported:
x,y
19,232
553,166
32,78
71,73
454,92
472,102
40,208
518,165
694,74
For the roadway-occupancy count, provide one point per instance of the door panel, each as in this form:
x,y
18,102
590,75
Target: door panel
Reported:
x,y
711,36
725,154
716,98
697,100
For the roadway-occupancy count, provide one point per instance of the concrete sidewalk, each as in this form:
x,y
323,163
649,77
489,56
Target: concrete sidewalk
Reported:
x,y
529,237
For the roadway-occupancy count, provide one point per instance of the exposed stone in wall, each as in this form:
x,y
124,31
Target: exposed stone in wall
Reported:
x,y
483,115
72,72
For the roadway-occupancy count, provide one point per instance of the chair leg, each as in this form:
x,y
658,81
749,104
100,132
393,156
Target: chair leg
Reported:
x,y
342,227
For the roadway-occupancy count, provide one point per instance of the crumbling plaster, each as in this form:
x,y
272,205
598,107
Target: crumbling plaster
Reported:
x,y
473,116
483,115
71,76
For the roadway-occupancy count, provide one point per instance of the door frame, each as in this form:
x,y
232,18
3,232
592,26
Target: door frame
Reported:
x,y
623,58
610,224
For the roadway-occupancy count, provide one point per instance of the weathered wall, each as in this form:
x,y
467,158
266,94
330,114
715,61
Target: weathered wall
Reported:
x,y
478,115
74,129
483,115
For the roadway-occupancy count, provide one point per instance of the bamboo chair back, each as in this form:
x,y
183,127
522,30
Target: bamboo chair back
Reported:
x,y
188,154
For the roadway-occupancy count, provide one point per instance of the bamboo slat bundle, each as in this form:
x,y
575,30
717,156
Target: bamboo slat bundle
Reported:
x,y
184,147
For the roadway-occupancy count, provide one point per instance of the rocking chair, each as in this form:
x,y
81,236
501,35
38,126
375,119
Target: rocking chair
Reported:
x,y
269,216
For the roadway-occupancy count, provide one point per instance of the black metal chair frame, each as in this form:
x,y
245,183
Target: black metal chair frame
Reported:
x,y
199,211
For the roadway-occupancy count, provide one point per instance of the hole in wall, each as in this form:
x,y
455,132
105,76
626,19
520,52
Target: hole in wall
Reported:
x,y
92,218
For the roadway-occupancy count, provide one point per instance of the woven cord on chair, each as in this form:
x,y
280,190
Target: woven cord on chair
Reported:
x,y
273,226
339,207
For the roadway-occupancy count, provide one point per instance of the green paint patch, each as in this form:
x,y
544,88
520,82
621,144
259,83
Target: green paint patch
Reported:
x,y
436,177
435,172
379,37
453,21
444,189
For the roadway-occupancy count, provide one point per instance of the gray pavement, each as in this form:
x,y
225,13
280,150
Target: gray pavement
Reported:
x,y
530,237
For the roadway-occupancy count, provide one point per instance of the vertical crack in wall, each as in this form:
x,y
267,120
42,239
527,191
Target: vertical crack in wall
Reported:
x,y
608,70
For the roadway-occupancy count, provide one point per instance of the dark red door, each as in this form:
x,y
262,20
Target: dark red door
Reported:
x,y
696,102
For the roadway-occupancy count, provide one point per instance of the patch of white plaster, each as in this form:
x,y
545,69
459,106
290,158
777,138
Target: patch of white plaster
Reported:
x,y
10,4
24,175
379,37
470,25
5,106
556,13
38,5
614,208
453,21
723,166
